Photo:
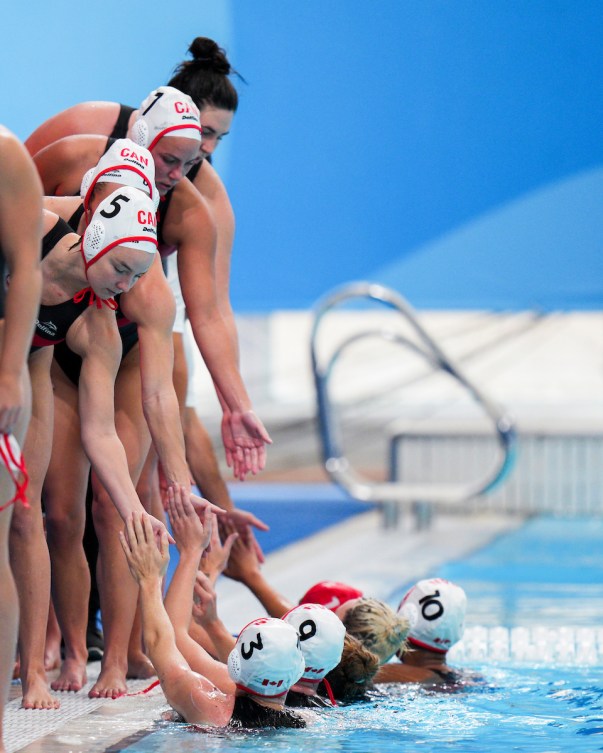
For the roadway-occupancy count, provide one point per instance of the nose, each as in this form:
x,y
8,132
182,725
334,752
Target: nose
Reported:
x,y
208,145
176,174
125,284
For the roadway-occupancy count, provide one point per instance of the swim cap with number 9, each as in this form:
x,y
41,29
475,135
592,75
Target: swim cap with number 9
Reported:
x,y
321,634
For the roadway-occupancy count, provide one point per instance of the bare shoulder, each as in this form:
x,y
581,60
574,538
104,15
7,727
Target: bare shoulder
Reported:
x,y
13,155
86,117
150,301
398,672
196,699
188,216
209,184
63,206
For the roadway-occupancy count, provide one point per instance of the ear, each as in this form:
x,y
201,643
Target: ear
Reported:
x,y
140,133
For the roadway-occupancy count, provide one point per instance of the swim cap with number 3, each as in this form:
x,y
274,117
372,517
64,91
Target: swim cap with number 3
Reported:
x,y
266,659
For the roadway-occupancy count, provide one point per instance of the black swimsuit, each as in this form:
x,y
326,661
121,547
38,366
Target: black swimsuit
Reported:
x,y
53,322
70,362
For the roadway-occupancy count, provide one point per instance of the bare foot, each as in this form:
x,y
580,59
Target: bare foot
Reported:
x,y
111,683
72,676
36,694
17,669
140,668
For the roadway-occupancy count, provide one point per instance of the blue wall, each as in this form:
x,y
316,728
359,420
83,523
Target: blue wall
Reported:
x,y
450,149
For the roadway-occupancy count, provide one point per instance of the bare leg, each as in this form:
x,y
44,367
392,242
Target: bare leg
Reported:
x,y
52,649
9,600
118,591
28,550
64,496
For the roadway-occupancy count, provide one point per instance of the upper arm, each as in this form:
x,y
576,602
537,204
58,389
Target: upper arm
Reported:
x,y
150,303
62,164
193,231
209,185
195,698
20,204
85,117
95,338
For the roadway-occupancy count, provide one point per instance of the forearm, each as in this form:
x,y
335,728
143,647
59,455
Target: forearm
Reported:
x,y
108,458
20,310
221,360
275,604
157,630
162,414
221,639
179,598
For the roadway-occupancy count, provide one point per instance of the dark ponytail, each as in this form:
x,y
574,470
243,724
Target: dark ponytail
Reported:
x,y
205,78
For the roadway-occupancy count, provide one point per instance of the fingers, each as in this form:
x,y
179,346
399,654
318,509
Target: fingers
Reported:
x,y
125,547
164,545
228,544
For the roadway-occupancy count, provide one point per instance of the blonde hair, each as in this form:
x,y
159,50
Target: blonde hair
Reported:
x,y
353,676
377,627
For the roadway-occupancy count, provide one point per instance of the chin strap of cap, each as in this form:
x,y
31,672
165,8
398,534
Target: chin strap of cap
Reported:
x,y
94,299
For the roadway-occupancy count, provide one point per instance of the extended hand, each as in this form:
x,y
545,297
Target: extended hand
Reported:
x,y
145,560
245,439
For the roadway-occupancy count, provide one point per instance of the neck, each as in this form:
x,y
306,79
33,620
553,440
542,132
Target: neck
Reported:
x,y
421,657
272,703
307,688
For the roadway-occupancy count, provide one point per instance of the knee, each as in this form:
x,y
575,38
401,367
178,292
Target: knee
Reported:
x,y
26,522
65,527
107,520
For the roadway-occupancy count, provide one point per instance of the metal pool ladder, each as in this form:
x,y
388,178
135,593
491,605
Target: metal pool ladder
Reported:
x,y
394,494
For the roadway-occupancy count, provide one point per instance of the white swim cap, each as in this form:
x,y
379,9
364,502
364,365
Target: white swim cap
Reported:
x,y
124,218
266,659
126,163
166,111
435,609
321,635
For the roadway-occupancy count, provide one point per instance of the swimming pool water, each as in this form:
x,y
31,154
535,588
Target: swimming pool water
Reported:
x,y
549,572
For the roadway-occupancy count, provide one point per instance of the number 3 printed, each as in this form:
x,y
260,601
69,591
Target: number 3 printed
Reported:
x,y
247,653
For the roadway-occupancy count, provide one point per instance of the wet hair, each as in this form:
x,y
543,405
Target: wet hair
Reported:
x,y
305,701
353,676
377,626
205,78
248,714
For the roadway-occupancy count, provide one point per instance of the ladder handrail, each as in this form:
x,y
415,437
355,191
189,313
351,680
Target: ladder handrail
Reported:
x,y
337,464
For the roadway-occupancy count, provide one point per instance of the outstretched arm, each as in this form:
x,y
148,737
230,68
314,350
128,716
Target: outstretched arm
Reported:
x,y
192,695
244,566
150,304
94,337
20,239
191,229
192,537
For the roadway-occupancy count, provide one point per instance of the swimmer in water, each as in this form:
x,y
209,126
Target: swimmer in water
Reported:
x,y
250,689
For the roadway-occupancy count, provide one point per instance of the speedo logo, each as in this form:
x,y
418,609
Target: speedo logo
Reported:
x,y
49,328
